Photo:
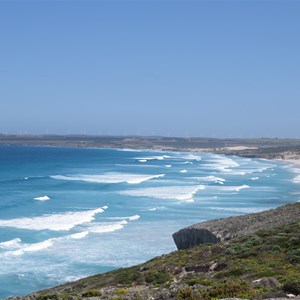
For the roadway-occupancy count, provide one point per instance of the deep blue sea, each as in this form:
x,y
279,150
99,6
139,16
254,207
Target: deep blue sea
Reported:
x,y
66,213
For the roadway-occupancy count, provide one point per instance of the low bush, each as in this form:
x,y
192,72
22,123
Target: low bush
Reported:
x,y
92,293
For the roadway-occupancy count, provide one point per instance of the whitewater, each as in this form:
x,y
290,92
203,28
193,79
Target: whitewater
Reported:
x,y
66,213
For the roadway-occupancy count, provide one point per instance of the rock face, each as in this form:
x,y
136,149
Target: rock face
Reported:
x,y
192,237
216,231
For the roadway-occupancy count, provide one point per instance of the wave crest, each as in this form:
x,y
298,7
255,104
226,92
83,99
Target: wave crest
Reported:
x,y
42,198
184,193
55,222
110,178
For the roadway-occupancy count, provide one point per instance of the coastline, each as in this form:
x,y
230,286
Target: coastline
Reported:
x,y
295,162
287,149
293,156
204,270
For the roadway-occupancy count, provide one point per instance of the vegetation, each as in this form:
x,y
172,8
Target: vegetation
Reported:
x,y
260,265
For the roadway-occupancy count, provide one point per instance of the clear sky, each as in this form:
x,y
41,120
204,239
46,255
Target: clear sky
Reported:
x,y
179,68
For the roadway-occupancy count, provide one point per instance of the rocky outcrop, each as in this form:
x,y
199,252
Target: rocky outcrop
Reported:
x,y
216,231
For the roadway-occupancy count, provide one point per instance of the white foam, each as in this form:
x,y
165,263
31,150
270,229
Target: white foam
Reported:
x,y
152,209
296,171
240,209
190,157
211,178
18,248
231,188
107,227
56,222
156,157
221,163
184,193
168,166
135,217
183,171
11,244
127,150
79,235
131,218
297,179
104,207
37,246
110,178
229,166
254,178
32,247
42,198
142,160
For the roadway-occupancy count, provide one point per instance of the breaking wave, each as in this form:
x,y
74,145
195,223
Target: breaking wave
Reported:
x,y
16,247
107,227
184,193
131,218
11,244
245,210
110,178
156,157
55,222
211,178
42,198
231,188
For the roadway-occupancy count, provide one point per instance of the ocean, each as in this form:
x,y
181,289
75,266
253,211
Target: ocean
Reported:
x,y
66,213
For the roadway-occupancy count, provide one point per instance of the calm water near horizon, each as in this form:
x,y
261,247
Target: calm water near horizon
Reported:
x,y
66,213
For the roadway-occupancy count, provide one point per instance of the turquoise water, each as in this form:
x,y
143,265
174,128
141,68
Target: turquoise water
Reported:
x,y
66,213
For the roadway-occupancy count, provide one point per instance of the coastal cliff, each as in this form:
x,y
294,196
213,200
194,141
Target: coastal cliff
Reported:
x,y
216,231
255,264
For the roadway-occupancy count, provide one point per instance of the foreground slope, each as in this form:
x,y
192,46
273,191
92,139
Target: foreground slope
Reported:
x,y
261,264
220,230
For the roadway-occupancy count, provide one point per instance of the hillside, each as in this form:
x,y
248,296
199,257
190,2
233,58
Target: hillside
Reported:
x,y
262,264
225,229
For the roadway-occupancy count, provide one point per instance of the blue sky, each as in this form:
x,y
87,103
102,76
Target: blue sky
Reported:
x,y
179,68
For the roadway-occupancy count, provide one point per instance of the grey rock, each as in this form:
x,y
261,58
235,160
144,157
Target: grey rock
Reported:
x,y
268,282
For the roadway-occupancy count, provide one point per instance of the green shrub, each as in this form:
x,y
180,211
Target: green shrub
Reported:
x,y
185,293
121,291
193,281
47,297
157,277
293,256
231,289
254,240
293,242
127,276
276,248
292,287
92,293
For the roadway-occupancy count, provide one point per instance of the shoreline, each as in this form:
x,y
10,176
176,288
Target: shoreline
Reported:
x,y
220,151
295,162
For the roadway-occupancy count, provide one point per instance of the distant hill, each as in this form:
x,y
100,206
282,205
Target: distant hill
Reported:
x,y
256,147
